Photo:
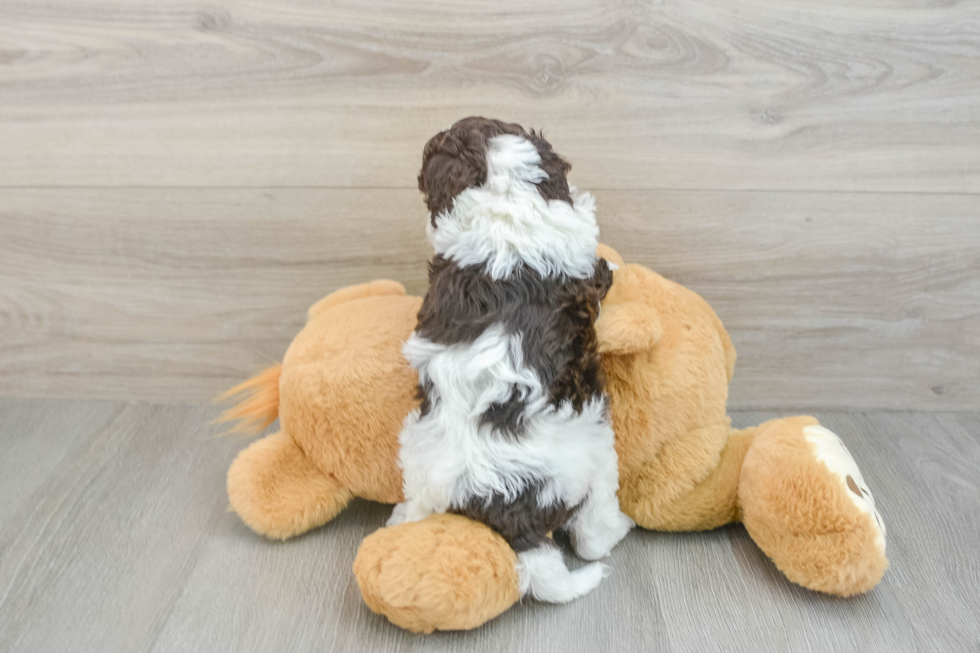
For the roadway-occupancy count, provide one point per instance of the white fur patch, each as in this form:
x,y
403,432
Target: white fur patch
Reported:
x,y
830,450
505,222
448,457
598,524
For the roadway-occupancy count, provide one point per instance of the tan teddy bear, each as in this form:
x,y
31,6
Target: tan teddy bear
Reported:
x,y
343,390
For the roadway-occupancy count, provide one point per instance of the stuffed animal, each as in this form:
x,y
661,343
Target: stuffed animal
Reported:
x,y
344,389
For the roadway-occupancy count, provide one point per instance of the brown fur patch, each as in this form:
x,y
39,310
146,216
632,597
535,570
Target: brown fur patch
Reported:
x,y
554,317
523,522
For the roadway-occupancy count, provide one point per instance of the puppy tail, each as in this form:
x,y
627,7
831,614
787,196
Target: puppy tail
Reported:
x,y
544,576
259,403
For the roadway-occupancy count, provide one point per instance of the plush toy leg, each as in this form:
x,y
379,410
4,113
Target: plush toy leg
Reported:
x,y
658,504
278,492
445,572
805,504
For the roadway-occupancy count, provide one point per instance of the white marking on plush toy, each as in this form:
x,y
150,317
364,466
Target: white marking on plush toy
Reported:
x,y
830,450
505,222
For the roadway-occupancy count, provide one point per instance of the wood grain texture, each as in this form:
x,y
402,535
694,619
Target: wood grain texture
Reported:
x,y
855,300
170,294
869,95
114,537
832,300
99,544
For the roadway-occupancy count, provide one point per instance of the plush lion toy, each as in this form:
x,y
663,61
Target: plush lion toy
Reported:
x,y
344,389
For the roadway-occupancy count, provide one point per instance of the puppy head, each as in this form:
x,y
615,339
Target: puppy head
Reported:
x,y
474,148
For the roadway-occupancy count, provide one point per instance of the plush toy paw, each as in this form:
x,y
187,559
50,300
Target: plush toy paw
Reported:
x,y
279,492
445,572
804,502
830,450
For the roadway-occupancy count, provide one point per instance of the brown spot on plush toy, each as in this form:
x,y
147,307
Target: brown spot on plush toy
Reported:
x,y
344,390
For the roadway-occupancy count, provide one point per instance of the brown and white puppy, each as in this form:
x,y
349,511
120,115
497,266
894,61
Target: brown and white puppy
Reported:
x,y
513,429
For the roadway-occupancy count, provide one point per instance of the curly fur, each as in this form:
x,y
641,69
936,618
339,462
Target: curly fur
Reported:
x,y
513,428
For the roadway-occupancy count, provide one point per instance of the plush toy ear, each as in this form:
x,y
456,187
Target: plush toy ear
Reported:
x,y
611,255
628,328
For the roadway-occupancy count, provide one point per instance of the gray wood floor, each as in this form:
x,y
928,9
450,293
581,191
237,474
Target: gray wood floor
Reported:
x,y
114,536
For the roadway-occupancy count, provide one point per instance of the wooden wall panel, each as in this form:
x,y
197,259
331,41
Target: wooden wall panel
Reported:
x,y
833,300
178,181
874,95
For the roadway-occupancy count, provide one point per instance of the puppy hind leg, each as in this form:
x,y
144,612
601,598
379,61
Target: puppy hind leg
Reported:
x,y
422,496
599,524
543,575
399,515
409,511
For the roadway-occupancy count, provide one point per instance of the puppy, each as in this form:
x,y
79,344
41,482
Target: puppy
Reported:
x,y
513,427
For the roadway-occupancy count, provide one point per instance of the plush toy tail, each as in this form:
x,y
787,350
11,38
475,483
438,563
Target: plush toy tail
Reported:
x,y
259,404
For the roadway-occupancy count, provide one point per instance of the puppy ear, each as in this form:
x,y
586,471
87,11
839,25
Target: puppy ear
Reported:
x,y
628,328
453,161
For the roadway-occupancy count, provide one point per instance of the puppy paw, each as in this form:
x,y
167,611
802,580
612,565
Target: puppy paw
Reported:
x,y
399,515
596,541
